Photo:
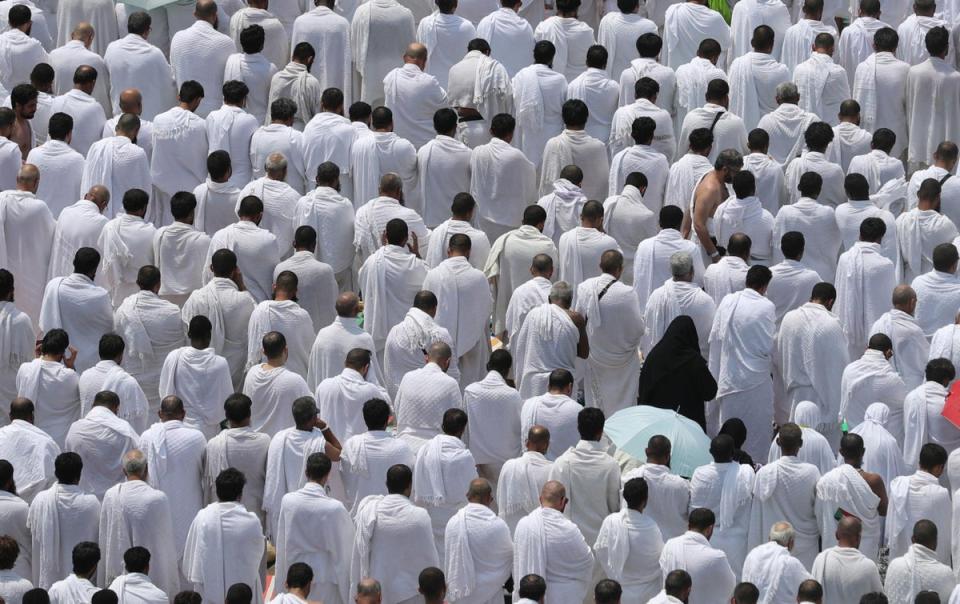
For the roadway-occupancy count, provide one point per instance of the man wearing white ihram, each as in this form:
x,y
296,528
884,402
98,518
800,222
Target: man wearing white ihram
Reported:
x,y
394,540
59,516
367,456
772,567
316,529
552,336
423,397
443,165
706,565
175,454
464,305
134,512
271,385
569,568
283,315
478,549
224,526
614,325
786,490
741,342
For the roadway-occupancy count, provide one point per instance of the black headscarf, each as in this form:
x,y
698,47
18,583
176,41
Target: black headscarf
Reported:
x,y
675,375
678,348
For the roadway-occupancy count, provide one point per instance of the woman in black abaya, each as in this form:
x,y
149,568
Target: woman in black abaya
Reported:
x,y
675,375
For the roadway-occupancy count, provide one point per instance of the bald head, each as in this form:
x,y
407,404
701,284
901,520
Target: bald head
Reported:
x,y
848,531
538,439
99,195
205,10
416,54
904,298
131,101
28,178
21,408
171,408
553,495
439,353
83,31
347,305
391,185
480,491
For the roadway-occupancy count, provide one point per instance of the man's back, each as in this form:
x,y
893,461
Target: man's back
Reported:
x,y
219,528
707,566
569,563
592,480
400,546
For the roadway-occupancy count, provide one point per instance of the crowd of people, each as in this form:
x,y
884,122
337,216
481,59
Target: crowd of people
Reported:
x,y
334,303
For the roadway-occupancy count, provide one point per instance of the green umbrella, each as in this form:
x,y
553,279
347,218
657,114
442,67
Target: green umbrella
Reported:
x,y
629,430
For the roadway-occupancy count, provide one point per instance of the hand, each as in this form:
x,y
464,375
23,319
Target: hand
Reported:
x,y
70,359
414,245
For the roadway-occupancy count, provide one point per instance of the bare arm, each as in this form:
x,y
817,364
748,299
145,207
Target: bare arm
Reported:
x,y
876,485
702,209
583,344
332,447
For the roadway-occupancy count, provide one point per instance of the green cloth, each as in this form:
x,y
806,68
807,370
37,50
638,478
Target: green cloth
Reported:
x,y
722,7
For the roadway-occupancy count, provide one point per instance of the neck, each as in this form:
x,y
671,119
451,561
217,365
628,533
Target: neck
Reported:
x,y
240,424
275,362
297,591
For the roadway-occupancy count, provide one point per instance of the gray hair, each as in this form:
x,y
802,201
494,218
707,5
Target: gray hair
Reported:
x,y
787,91
729,158
681,264
561,293
368,587
135,463
782,533
275,162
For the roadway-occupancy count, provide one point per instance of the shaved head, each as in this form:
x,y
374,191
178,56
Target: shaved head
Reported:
x,y
28,177
131,101
538,439
171,407
439,351
416,51
98,194
205,9
82,31
553,495
347,305
480,491
903,297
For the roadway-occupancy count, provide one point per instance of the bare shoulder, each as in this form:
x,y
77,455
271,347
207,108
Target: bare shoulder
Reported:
x,y
874,480
577,318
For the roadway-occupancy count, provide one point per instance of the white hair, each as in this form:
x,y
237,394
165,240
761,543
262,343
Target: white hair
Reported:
x,y
562,293
681,264
782,533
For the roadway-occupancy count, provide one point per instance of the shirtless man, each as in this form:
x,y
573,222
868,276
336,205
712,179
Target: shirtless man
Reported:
x,y
24,101
852,454
709,193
